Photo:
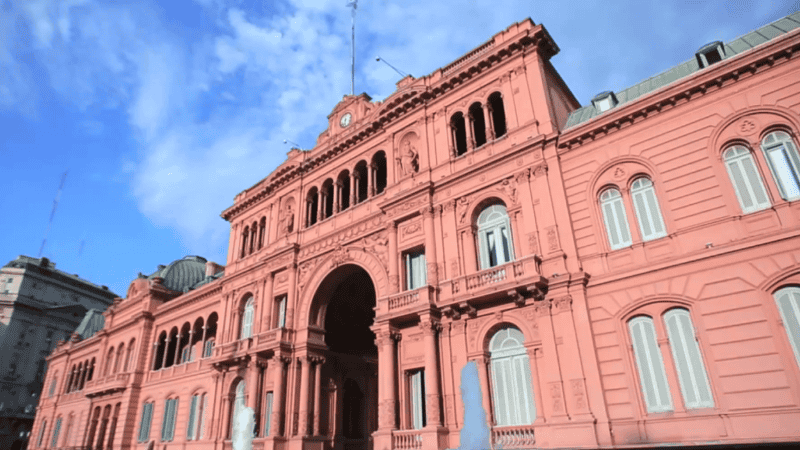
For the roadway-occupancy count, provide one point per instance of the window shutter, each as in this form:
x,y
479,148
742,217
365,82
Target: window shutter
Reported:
x,y
643,215
422,271
754,181
508,249
282,312
484,251
650,365
784,171
655,212
173,419
622,221
688,360
165,420
788,300
41,434
192,411
193,353
268,414
615,219
56,430
500,389
409,273
142,422
735,171
204,413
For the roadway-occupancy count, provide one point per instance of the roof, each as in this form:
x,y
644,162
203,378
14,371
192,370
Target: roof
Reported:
x,y
25,262
182,274
733,48
92,322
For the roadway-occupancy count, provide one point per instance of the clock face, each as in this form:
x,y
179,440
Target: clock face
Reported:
x,y
345,120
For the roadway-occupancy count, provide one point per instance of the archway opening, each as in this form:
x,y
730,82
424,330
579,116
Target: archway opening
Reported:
x,y
344,307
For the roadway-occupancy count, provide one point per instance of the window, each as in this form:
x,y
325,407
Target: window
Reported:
x,y
208,349
511,378
745,179
497,114
56,430
416,269
494,237
280,307
52,387
688,360
784,163
247,319
650,364
186,355
168,424
651,224
788,300
191,428
458,130
268,414
478,123
144,424
41,434
615,219
417,392
201,416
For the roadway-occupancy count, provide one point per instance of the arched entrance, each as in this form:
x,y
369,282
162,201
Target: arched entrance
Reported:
x,y
343,307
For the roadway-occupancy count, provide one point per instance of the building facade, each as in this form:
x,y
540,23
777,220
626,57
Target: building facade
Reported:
x,y
39,305
624,274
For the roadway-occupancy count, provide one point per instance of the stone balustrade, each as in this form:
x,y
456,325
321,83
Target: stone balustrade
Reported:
x,y
406,439
521,436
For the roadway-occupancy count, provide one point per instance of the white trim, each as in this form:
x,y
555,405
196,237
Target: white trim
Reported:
x,y
615,219
650,364
788,302
686,354
745,179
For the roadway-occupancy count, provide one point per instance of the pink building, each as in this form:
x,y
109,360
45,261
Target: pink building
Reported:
x,y
625,274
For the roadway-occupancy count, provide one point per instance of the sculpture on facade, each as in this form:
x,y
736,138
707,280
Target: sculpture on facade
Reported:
x,y
408,159
287,221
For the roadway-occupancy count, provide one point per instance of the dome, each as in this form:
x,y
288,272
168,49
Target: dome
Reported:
x,y
182,274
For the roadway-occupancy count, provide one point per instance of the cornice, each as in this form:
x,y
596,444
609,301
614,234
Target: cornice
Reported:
x,y
697,85
188,299
407,100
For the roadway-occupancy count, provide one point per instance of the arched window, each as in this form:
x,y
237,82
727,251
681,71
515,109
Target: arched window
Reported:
x,y
788,300
459,133
245,235
168,424
144,424
692,374
262,226
650,364
498,114
56,430
52,389
343,190
312,206
327,199
129,363
238,404
648,214
109,362
511,378
379,164
253,237
118,359
478,122
746,181
784,162
361,178
494,237
195,423
615,219
247,318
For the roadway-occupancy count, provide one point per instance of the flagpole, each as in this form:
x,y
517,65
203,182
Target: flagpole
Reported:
x,y
354,4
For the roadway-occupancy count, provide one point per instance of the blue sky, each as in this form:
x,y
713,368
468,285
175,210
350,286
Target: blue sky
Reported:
x,y
162,111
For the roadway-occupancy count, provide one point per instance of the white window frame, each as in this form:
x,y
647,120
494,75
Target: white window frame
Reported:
x,y
416,395
615,219
746,179
780,151
787,300
688,360
650,364
514,403
247,318
416,269
648,213
281,310
494,232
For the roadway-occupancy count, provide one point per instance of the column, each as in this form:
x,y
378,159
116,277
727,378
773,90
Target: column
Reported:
x,y
177,348
318,362
252,384
337,200
353,188
394,276
269,300
533,355
320,205
290,295
155,354
487,119
429,329
468,124
166,347
552,373
430,245
226,419
189,343
528,230
203,341
470,252
277,397
304,362
386,374
370,180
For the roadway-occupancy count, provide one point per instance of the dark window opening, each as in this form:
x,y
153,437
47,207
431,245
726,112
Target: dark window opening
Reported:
x,y
361,180
478,124
459,131
311,207
344,190
379,161
498,114
327,197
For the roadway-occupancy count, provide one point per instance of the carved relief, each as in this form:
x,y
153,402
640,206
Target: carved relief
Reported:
x,y
552,239
555,394
351,232
281,278
540,170
378,245
509,187
462,207
619,173
432,407
280,261
304,271
287,217
411,229
562,304
542,308
533,244
578,393
454,268
407,206
340,256
747,126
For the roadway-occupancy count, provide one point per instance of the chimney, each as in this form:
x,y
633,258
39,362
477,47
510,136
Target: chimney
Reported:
x,y
212,268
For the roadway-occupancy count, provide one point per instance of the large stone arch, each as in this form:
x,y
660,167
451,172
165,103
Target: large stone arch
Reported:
x,y
376,270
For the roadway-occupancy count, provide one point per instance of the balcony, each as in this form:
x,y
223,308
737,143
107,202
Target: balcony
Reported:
x,y
521,436
524,273
406,439
407,301
107,385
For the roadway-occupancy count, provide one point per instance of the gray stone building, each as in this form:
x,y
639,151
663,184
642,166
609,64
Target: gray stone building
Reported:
x,y
39,305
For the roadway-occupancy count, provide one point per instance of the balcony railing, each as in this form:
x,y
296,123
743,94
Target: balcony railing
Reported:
x,y
407,299
111,383
406,439
513,437
496,278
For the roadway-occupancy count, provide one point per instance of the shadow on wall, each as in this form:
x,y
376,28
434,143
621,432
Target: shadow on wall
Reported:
x,y
475,431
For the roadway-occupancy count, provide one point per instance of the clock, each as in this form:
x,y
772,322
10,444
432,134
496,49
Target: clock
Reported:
x,y
345,121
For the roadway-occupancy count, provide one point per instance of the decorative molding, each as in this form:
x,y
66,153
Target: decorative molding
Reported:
x,y
533,243
555,395
378,245
340,256
462,206
509,187
552,239
563,304
578,393
415,227
542,307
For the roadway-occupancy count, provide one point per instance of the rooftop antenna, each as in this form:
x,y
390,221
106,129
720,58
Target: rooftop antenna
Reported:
x,y
286,141
393,67
52,213
354,4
